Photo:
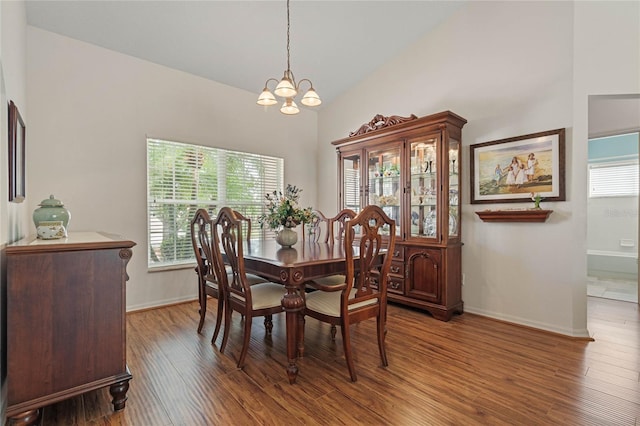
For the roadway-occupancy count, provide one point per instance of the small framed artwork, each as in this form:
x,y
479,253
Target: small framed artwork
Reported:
x,y
17,133
512,170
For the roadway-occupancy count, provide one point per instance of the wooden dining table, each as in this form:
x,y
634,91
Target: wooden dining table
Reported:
x,y
293,267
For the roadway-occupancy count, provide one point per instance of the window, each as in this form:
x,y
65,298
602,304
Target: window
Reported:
x,y
613,179
182,178
351,184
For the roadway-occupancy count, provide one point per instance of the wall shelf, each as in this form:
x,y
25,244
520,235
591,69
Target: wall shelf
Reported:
x,y
522,215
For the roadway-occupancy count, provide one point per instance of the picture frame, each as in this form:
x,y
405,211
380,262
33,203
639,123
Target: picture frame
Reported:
x,y
17,144
515,169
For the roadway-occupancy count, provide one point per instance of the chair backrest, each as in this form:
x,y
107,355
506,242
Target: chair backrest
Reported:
x,y
337,224
246,221
318,230
376,234
201,241
228,239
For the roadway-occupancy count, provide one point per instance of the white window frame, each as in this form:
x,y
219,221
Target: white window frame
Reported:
x,y
169,183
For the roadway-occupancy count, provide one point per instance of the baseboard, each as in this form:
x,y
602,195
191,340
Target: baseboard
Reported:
x,y
548,328
160,303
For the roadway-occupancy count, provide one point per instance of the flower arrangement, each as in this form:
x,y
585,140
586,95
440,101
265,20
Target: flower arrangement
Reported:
x,y
283,210
536,198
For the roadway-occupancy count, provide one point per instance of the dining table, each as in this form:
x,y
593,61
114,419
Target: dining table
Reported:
x,y
293,267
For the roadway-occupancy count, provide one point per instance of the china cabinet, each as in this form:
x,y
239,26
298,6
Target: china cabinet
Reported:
x,y
410,167
66,329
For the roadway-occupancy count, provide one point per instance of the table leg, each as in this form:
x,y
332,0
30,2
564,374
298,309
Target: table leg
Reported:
x,y
293,304
301,334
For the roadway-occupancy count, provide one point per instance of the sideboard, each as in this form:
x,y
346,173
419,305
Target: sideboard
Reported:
x,y
66,330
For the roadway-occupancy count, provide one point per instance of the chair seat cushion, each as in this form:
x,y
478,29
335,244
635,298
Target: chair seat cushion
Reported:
x,y
330,280
256,279
211,284
328,302
251,278
266,295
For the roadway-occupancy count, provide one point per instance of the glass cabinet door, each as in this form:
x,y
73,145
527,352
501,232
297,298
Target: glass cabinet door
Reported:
x,y
351,186
424,187
384,187
454,187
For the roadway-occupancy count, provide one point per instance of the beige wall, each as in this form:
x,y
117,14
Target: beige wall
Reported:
x,y
91,110
13,216
509,68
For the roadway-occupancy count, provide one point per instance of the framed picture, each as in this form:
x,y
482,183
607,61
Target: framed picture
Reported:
x,y
17,134
511,170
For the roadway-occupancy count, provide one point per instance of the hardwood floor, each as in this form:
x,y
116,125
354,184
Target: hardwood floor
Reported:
x,y
471,370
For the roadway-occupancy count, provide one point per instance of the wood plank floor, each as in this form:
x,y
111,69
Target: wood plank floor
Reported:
x,y
471,370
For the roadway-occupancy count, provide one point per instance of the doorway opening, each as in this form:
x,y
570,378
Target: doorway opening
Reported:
x,y
612,217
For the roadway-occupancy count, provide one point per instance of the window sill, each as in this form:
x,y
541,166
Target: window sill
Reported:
x,y
165,268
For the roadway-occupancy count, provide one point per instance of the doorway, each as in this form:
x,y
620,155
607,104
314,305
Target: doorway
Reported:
x,y
612,217
613,202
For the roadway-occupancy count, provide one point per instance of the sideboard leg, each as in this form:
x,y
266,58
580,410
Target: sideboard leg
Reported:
x,y
27,418
119,393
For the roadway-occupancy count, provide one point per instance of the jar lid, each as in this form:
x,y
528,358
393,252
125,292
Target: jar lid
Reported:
x,y
51,202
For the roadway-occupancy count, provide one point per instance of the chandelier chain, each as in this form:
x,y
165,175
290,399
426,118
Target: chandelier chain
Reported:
x,y
288,31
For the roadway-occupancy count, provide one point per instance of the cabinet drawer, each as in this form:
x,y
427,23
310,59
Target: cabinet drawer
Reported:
x,y
397,268
398,253
395,284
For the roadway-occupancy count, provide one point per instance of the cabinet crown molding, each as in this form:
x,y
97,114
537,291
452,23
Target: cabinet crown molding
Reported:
x,y
379,121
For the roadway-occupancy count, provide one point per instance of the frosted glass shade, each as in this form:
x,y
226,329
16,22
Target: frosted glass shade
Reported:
x,y
266,98
311,98
289,107
285,89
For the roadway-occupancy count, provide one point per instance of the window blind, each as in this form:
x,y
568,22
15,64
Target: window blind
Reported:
x,y
619,179
351,184
182,178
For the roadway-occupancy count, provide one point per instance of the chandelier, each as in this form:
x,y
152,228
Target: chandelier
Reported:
x,y
287,87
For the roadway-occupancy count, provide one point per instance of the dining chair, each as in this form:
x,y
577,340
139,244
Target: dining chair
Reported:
x,y
335,233
207,282
262,299
337,224
362,295
317,230
246,230
336,229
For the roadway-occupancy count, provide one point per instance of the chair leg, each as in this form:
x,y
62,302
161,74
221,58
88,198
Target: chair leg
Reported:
x,y
268,323
381,335
227,325
202,298
333,332
346,342
218,319
245,343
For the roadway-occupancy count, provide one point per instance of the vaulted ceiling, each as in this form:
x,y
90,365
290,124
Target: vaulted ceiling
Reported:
x,y
335,44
